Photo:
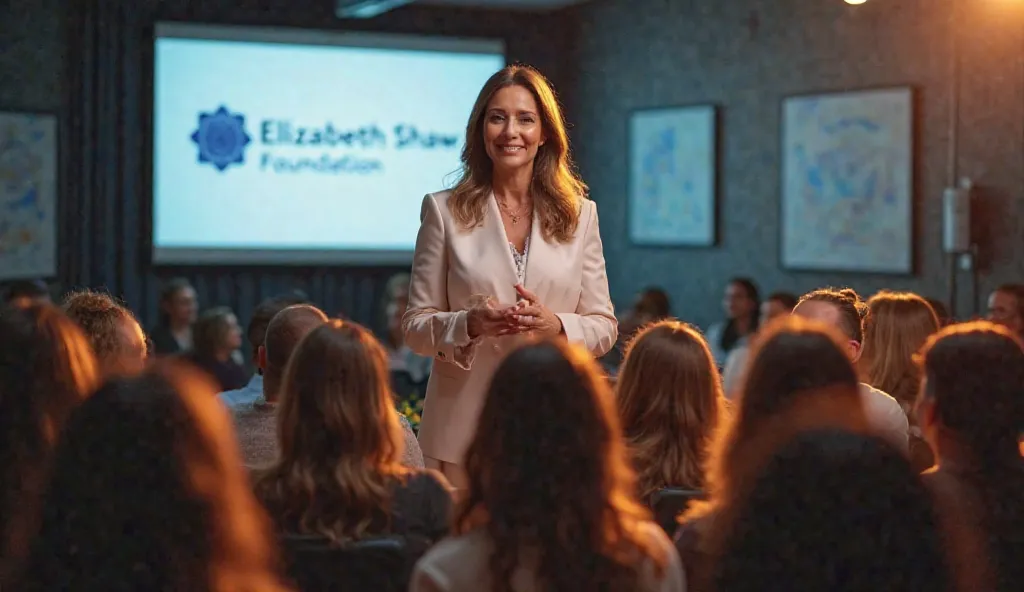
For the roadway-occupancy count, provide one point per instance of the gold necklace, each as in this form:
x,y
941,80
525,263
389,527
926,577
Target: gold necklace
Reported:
x,y
515,216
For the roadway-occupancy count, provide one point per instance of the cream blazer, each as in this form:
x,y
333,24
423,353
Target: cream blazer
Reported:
x,y
451,266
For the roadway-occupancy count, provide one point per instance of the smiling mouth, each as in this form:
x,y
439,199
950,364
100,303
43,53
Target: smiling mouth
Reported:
x,y
511,149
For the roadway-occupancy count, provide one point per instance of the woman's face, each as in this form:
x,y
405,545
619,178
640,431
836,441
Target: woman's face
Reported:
x,y
737,303
233,335
181,308
512,128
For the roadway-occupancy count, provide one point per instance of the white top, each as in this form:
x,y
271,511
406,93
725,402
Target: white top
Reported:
x,y
886,416
461,564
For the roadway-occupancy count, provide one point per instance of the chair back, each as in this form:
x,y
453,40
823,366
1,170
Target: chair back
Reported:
x,y
668,503
379,563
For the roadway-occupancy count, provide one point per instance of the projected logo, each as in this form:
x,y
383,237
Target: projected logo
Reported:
x,y
221,138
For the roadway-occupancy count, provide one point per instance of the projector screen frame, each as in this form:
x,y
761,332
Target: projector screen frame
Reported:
x,y
155,256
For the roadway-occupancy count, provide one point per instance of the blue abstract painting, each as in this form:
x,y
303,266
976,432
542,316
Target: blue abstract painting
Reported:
x,y
672,176
28,190
847,182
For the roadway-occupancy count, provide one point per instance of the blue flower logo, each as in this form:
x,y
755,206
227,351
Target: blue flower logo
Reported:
x,y
221,138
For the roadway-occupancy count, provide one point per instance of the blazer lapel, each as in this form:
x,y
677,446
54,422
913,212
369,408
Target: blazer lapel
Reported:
x,y
494,229
539,252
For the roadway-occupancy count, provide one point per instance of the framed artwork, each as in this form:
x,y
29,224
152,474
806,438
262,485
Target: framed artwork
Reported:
x,y
847,182
673,180
28,195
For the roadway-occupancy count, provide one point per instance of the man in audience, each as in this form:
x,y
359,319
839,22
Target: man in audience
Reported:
x,y
115,334
1006,307
256,423
256,333
844,310
25,293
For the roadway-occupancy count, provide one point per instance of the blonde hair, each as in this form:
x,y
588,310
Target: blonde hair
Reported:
x,y
896,327
669,396
339,436
557,189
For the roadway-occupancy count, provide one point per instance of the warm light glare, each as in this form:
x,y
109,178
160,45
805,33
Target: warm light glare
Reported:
x,y
856,1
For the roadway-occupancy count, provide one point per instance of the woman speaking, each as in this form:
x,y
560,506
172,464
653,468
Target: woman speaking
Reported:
x,y
513,250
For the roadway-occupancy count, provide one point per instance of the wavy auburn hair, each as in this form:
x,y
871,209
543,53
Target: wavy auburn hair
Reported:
x,y
339,437
669,395
556,188
896,327
548,471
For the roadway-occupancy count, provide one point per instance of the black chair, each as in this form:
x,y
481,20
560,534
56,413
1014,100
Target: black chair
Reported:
x,y
668,503
378,563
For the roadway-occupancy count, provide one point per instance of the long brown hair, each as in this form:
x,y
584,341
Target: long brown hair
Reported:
x,y
798,370
47,368
339,436
149,492
669,395
548,471
556,188
895,328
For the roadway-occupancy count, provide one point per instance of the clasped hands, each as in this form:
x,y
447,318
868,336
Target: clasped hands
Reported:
x,y
488,319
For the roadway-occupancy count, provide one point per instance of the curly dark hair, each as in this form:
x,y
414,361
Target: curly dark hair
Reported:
x,y
99,315
548,471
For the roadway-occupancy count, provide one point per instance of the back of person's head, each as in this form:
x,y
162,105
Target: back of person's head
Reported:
x,y
941,311
669,396
211,332
21,293
567,491
339,435
787,300
256,332
653,304
46,369
973,395
797,377
849,314
148,492
895,328
284,332
112,330
833,511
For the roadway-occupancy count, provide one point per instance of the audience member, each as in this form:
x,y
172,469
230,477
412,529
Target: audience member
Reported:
x,y
339,473
651,305
409,370
742,305
1006,307
550,507
941,311
669,397
971,411
799,378
256,334
776,305
178,310
24,293
46,369
114,333
833,511
148,493
216,338
896,326
256,422
845,311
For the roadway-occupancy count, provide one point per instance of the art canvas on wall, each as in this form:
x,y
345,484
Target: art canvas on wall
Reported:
x,y
28,195
672,176
847,182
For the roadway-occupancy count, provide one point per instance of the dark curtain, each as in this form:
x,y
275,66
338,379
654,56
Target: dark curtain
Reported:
x,y
105,193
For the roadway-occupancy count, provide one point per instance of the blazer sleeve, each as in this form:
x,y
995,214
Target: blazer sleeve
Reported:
x,y
593,325
430,327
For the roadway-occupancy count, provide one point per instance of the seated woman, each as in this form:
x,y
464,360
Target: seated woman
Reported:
x,y
551,502
148,493
339,474
669,396
216,339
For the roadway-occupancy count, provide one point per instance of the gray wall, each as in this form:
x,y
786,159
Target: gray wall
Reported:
x,y
644,53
